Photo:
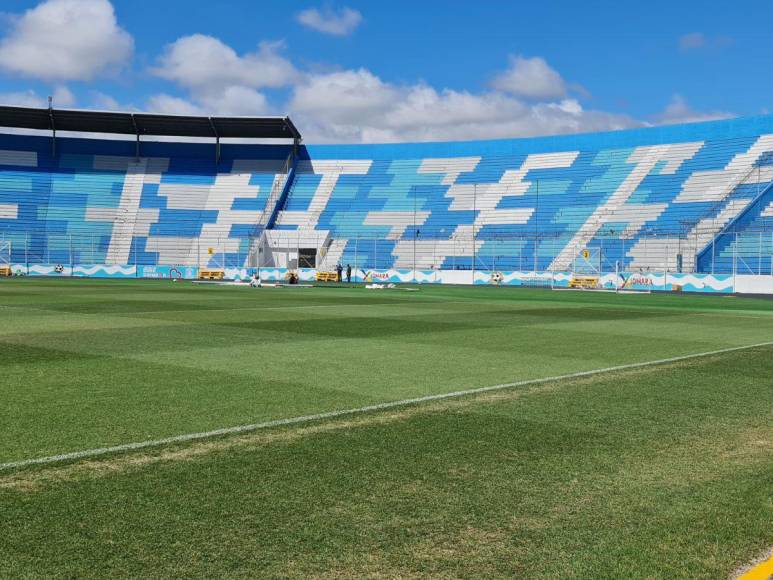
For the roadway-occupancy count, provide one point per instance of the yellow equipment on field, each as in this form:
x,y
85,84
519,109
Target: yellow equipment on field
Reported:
x,y
211,274
327,277
5,271
585,282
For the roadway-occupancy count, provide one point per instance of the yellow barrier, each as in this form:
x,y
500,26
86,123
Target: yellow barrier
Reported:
x,y
211,274
586,282
327,277
5,271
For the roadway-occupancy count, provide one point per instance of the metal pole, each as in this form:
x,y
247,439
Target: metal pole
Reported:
x,y
474,219
759,257
735,251
414,233
536,225
695,252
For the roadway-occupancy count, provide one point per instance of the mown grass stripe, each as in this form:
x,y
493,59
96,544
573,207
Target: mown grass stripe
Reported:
x,y
87,453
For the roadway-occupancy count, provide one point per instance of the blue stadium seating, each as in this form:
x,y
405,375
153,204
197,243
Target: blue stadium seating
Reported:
x,y
642,197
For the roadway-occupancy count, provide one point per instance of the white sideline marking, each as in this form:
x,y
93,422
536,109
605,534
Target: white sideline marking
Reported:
x,y
343,412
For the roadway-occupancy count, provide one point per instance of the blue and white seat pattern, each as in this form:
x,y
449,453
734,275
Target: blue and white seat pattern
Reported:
x,y
640,197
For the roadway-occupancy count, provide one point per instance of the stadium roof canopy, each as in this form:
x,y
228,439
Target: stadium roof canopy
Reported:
x,y
140,124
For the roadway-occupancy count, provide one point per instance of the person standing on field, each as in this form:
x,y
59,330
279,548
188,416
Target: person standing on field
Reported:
x,y
348,273
339,272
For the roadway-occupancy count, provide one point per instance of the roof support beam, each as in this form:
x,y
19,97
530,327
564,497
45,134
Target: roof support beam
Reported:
x,y
217,140
53,129
137,144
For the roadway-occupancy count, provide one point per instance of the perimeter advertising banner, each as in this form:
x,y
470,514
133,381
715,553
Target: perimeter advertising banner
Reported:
x,y
637,281
168,272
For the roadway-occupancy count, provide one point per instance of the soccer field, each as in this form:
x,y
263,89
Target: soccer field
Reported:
x,y
661,469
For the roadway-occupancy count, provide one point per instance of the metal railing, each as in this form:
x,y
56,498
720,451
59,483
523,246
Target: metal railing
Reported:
x,y
746,252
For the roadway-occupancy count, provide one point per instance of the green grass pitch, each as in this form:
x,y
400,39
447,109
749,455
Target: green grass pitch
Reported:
x,y
658,471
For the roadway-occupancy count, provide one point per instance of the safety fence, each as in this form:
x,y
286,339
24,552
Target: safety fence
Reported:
x,y
745,253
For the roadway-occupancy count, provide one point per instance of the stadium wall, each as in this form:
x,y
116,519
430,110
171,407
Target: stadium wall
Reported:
x,y
683,199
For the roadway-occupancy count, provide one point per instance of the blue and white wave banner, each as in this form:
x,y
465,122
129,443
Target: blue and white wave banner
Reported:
x,y
104,271
637,281
168,272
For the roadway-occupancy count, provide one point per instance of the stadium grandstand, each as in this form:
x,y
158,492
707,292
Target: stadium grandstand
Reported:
x,y
692,198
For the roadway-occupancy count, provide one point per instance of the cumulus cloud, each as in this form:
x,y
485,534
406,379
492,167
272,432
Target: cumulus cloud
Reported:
x,y
679,110
170,105
238,101
340,23
218,79
27,98
531,78
358,106
200,62
235,100
62,96
65,40
105,102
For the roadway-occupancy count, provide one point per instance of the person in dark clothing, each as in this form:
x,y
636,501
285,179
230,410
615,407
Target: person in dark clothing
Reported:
x,y
348,272
339,271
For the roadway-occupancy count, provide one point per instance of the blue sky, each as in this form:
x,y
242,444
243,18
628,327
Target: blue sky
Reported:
x,y
391,71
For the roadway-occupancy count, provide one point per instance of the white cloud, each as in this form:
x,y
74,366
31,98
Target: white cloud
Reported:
x,y
63,97
163,103
357,106
328,21
678,110
203,63
65,40
694,41
532,78
218,80
343,96
27,98
238,101
105,102
235,100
